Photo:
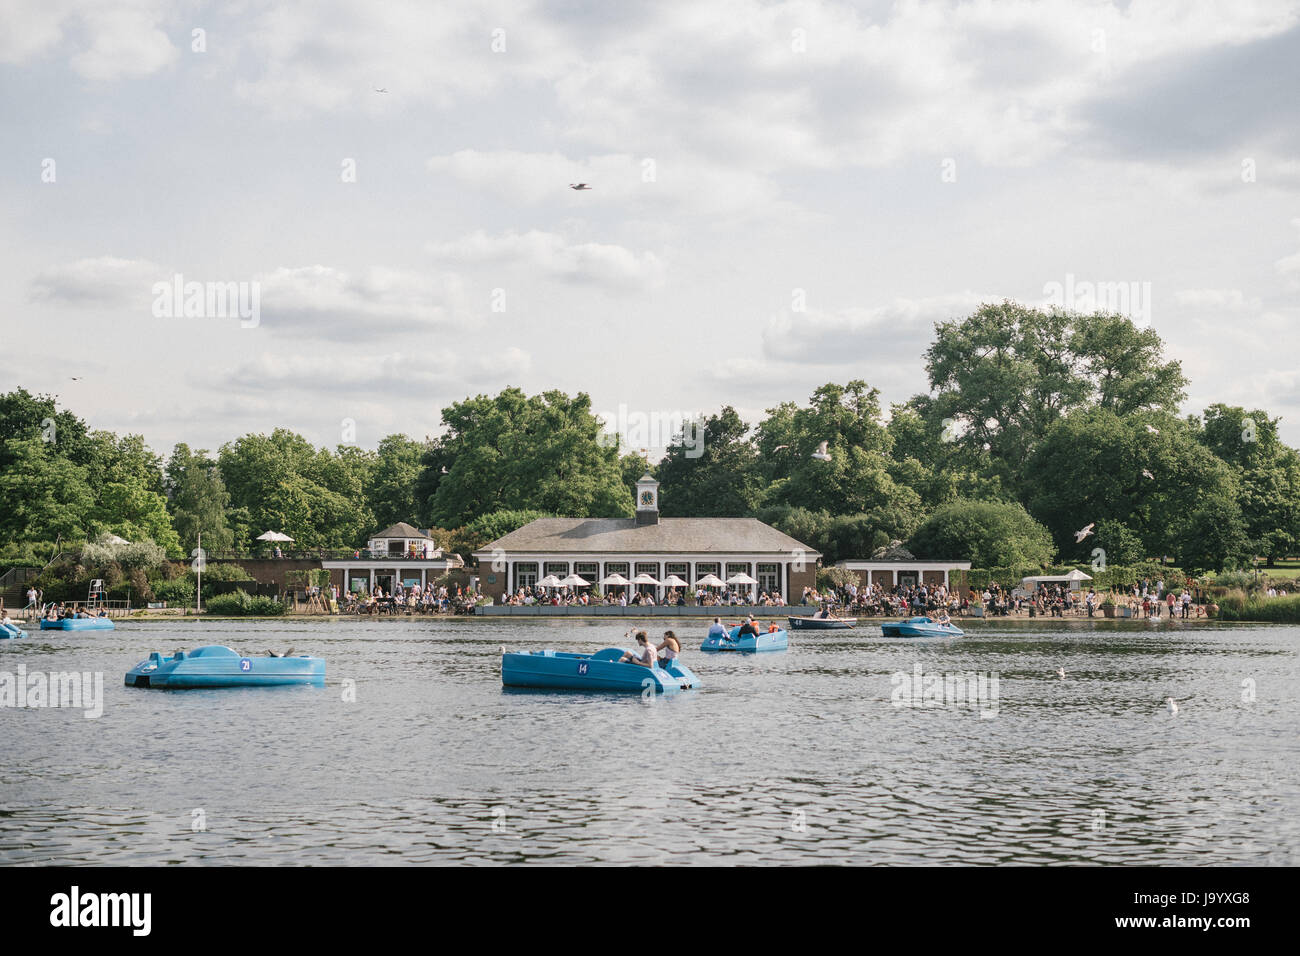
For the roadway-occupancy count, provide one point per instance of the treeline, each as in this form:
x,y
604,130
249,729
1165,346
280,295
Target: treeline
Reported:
x,y
1035,425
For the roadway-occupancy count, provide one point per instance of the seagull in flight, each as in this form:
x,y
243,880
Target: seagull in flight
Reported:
x,y
378,90
778,448
821,454
1084,532
1153,430
579,186
76,378
1147,474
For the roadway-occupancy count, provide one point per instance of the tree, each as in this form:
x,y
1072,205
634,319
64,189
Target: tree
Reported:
x,y
1145,471
988,534
37,417
1212,536
515,451
487,528
287,484
856,479
198,500
1007,373
720,481
42,494
393,483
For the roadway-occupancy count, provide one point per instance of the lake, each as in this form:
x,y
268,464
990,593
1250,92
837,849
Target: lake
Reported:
x,y
808,756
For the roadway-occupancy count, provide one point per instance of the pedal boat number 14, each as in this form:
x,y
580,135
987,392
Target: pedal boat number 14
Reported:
x,y
553,670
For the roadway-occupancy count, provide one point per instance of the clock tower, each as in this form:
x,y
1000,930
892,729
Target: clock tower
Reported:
x,y
647,500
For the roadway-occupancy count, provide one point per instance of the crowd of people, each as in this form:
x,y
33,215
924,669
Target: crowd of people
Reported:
x,y
1150,598
619,597
416,599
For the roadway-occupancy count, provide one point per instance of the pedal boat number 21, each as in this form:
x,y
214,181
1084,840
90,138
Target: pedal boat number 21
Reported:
x,y
552,670
220,666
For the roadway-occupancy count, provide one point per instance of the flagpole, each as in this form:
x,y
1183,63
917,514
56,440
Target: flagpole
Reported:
x,y
198,573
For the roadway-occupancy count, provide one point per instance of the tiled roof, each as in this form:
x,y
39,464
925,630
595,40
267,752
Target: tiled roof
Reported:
x,y
669,536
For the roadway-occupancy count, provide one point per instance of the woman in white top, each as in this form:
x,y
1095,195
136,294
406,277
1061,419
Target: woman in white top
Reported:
x,y
670,646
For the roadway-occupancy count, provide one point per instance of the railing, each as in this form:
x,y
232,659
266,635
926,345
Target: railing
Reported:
x,y
325,554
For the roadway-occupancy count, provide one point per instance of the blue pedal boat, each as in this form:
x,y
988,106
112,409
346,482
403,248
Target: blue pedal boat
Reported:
x,y
8,631
219,666
78,624
553,670
920,627
766,641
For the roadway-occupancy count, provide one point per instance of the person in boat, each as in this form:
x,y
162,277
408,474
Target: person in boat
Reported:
x,y
717,630
749,628
671,648
773,628
645,653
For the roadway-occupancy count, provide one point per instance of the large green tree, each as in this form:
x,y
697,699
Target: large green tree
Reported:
x,y
392,488
1003,377
198,500
44,495
514,451
989,534
710,471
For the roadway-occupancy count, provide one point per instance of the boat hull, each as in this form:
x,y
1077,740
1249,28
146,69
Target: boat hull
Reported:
x,y
920,627
602,671
770,641
220,666
8,631
79,624
821,623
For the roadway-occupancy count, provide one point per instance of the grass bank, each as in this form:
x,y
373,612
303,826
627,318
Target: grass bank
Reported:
x,y
1238,606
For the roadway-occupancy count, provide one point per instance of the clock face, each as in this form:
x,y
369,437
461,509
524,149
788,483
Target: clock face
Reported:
x,y
647,497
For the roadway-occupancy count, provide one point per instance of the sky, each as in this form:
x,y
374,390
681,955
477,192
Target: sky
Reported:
x,y
783,194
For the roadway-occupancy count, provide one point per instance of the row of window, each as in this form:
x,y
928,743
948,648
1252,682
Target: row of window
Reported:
x,y
527,573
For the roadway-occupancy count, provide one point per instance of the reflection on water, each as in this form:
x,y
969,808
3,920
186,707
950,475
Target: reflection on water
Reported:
x,y
793,758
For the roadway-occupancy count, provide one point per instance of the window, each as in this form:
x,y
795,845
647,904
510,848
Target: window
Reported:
x,y
769,577
587,570
651,568
559,568
681,569
526,574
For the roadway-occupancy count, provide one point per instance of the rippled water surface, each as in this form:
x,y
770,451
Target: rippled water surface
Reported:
x,y
798,757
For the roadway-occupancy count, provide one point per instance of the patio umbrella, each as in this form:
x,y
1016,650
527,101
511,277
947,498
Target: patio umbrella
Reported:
x,y
575,581
741,578
273,536
117,539
644,578
550,581
710,581
614,579
673,581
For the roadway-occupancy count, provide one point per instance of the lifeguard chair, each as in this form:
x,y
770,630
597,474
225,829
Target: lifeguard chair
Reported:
x,y
97,595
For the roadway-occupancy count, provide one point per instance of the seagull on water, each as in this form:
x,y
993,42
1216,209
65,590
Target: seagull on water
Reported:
x,y
1083,533
821,454
1173,703
578,186
1060,672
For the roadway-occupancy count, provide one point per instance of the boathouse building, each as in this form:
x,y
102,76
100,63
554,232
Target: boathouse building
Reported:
x,y
689,548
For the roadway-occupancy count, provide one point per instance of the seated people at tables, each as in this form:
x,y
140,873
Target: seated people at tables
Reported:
x,y
645,653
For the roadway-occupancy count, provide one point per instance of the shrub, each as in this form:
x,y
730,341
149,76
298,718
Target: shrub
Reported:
x,y
224,571
243,604
178,592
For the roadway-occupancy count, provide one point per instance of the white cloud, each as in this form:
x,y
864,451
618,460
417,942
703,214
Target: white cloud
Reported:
x,y
1219,300
378,302
104,42
899,329
1289,264
446,372
554,256
104,282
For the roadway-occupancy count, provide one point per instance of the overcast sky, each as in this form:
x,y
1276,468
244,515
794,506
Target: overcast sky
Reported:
x,y
783,194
